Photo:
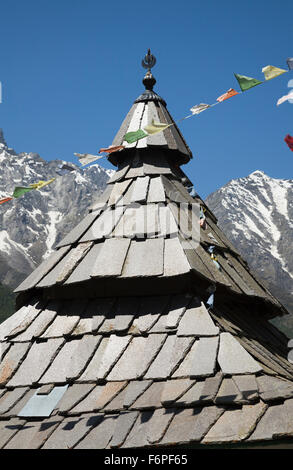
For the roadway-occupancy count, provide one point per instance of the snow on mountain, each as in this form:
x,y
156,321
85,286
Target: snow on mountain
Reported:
x,y
256,213
31,225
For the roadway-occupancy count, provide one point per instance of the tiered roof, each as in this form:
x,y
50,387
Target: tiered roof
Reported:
x,y
115,343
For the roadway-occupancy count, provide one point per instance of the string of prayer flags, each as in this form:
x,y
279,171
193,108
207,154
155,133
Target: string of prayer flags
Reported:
x,y
20,191
155,127
289,141
111,148
285,98
86,158
231,92
132,137
199,108
270,72
6,199
41,184
246,83
290,63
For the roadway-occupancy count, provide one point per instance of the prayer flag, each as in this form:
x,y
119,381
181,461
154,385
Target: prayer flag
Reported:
x,y
246,83
5,200
155,127
285,98
132,137
112,148
290,63
199,108
289,141
271,72
86,158
66,167
20,191
227,95
41,184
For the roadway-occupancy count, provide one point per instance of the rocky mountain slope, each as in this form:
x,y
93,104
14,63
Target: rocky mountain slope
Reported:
x,y
32,224
256,213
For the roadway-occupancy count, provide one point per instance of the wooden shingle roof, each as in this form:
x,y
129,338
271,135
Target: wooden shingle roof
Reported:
x,y
115,345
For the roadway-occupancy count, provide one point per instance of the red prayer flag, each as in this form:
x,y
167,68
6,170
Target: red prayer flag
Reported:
x,y
112,149
231,92
5,200
289,141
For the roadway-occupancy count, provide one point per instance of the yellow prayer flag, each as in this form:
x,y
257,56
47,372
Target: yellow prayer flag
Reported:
x,y
40,184
271,72
155,127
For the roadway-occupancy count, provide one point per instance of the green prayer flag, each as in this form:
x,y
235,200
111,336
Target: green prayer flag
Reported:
x,y
132,137
246,82
20,191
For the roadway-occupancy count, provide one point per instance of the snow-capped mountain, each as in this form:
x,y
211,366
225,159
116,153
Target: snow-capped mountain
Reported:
x,y
256,213
32,224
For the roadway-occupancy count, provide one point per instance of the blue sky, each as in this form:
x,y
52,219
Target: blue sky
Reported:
x,y
70,70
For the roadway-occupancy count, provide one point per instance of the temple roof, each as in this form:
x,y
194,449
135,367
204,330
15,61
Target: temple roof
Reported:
x,y
145,327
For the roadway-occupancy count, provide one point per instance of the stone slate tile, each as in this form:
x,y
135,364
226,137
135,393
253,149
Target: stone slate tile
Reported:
x,y
138,434
138,263
247,386
42,405
124,311
181,427
175,261
104,224
39,357
211,387
10,398
45,389
177,308
99,397
34,433
66,320
233,358
116,405
66,266
134,390
12,360
90,373
80,229
4,346
196,321
101,434
14,320
73,395
140,189
204,421
158,424
118,191
83,270
277,422
271,388
150,310
172,352
42,269
70,431
8,429
17,407
201,359
173,389
167,224
192,396
151,398
114,349
71,360
156,191
40,324
235,425
228,393
137,358
93,316
31,313
123,425
110,259
160,325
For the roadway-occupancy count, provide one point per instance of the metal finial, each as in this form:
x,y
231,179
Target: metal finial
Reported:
x,y
148,61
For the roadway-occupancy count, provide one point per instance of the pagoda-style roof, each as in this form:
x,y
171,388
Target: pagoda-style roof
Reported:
x,y
144,328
